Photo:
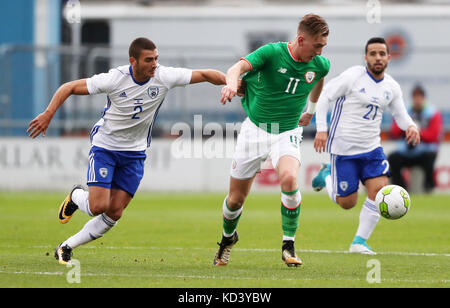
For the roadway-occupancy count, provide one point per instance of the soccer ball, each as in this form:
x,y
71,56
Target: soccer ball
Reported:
x,y
392,202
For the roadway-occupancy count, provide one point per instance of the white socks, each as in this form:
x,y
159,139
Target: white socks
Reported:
x,y
290,212
230,219
81,198
92,230
329,187
368,219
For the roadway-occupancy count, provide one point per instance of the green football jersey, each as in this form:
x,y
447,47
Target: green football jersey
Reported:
x,y
278,86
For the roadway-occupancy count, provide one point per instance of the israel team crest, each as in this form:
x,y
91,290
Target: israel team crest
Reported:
x,y
153,92
103,172
343,185
310,76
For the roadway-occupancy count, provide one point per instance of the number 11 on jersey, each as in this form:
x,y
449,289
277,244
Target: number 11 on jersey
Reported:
x,y
290,83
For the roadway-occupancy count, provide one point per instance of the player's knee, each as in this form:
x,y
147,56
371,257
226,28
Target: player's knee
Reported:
x,y
98,207
288,181
235,201
347,203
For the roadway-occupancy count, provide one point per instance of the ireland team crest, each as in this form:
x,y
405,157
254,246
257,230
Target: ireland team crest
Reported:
x,y
153,92
310,76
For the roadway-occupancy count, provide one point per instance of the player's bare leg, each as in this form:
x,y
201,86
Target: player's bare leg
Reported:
x,y
118,203
112,202
232,210
287,170
347,202
369,216
99,199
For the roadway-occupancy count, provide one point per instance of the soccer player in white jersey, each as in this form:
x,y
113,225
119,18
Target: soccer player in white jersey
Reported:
x,y
358,97
135,93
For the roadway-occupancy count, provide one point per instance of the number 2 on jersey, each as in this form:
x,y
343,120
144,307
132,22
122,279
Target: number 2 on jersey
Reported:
x,y
139,110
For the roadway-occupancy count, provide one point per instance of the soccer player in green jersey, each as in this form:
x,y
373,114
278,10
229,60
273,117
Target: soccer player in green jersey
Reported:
x,y
279,79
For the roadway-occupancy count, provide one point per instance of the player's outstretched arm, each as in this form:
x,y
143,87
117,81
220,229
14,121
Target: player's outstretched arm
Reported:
x,y
306,117
208,75
232,80
40,124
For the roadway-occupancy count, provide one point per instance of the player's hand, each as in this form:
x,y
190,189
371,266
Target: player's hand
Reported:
x,y
305,119
320,141
241,88
412,135
227,94
39,125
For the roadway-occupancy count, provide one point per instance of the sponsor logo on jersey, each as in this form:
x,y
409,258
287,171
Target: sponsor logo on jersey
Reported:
x,y
310,76
282,70
103,172
153,92
343,185
123,94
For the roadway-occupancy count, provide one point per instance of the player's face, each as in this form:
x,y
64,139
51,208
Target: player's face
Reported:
x,y
146,65
311,46
377,58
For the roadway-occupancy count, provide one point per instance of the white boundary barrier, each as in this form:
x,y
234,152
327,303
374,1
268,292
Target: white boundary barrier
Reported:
x,y
58,163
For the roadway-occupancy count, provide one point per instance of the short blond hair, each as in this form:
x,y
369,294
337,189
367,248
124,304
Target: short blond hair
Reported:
x,y
314,25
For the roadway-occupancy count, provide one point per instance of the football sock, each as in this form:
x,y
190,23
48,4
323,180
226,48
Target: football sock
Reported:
x,y
81,198
230,219
329,187
368,219
290,211
92,230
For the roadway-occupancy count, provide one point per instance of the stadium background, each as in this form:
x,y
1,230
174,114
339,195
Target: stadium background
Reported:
x,y
45,43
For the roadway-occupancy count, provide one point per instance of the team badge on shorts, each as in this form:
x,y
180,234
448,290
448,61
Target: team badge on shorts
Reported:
x,y
343,185
103,172
310,76
153,92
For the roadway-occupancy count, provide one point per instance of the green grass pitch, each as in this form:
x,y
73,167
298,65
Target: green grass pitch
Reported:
x,y
169,241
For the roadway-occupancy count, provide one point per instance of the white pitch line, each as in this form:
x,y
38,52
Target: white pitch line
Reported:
x,y
321,251
212,277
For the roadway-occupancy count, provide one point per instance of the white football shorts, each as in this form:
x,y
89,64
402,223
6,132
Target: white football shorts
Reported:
x,y
254,145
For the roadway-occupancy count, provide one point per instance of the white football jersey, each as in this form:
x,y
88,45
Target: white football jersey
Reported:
x,y
132,107
358,101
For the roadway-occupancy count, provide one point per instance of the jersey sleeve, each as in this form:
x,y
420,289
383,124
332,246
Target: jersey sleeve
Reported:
x,y
258,58
103,83
175,76
325,67
323,104
398,109
335,88
341,85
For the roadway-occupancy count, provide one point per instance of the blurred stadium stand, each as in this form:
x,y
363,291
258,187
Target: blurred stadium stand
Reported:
x,y
32,71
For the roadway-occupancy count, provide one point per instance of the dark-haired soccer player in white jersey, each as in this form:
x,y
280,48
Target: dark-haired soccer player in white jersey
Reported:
x,y
135,92
359,96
